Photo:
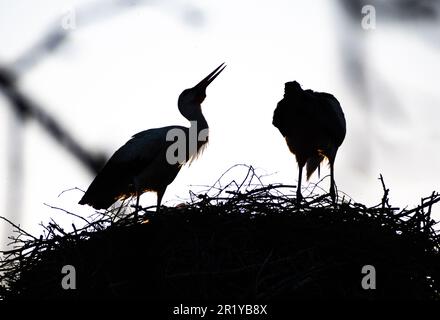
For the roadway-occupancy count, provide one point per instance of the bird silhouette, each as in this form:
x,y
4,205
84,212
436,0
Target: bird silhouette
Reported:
x,y
314,127
145,162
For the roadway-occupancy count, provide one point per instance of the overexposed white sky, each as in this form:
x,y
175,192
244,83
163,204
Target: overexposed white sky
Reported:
x,y
123,73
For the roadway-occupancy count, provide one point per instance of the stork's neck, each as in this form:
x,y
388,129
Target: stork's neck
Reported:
x,y
196,117
200,120
198,132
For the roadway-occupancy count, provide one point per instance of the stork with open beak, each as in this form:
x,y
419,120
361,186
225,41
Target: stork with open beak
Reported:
x,y
142,164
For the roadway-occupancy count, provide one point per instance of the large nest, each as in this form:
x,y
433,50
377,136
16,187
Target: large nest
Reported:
x,y
237,241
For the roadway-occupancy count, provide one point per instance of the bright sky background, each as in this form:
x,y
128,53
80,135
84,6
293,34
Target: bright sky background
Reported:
x,y
123,74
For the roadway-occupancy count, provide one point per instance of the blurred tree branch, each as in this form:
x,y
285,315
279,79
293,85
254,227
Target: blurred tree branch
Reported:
x,y
26,108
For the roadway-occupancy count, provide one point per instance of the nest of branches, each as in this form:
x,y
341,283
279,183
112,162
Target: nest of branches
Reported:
x,y
242,240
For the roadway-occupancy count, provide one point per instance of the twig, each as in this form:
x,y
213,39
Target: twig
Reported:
x,y
68,212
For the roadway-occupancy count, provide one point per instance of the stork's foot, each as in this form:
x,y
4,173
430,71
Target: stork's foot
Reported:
x,y
161,209
299,198
136,211
333,196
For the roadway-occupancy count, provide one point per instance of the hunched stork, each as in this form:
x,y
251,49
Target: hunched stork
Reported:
x,y
314,127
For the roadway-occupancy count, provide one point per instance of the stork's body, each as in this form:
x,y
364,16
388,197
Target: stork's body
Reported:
x,y
313,125
143,163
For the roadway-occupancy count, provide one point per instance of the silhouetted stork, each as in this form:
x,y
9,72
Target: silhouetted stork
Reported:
x,y
313,125
143,163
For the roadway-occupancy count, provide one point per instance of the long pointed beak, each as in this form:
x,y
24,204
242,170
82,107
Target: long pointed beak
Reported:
x,y
205,82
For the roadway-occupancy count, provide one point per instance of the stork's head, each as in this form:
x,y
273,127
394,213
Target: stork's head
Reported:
x,y
191,99
292,87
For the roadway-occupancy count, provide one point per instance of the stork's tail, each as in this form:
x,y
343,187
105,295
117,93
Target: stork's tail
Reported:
x,y
98,200
106,189
313,163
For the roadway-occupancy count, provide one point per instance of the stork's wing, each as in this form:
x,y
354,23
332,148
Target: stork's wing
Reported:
x,y
310,118
115,180
333,119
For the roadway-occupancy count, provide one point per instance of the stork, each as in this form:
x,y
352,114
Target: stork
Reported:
x,y
313,126
143,163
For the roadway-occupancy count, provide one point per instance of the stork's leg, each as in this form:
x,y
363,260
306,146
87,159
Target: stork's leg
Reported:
x,y
332,183
160,194
298,187
138,194
137,204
